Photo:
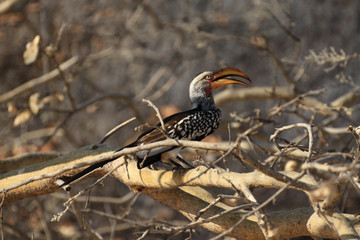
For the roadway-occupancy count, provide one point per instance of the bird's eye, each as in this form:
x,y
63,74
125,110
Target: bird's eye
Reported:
x,y
208,77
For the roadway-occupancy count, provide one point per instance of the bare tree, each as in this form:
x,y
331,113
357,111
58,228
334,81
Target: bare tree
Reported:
x,y
284,163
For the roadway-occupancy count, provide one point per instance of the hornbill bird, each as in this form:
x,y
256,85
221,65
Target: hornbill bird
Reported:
x,y
194,124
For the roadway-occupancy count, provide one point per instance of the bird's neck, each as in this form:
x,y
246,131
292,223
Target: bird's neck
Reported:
x,y
201,98
203,103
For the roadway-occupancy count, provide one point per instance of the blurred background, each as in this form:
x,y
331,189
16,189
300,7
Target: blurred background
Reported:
x,y
125,51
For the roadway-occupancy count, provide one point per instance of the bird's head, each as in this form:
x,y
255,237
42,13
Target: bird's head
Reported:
x,y
202,85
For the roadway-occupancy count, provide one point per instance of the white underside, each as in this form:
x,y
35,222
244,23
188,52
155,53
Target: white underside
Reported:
x,y
155,151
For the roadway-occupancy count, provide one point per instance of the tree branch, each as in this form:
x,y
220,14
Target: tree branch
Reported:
x,y
180,189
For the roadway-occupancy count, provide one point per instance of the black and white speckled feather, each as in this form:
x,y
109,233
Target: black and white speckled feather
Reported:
x,y
194,124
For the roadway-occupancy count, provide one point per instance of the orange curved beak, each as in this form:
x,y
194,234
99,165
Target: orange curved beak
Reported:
x,y
225,76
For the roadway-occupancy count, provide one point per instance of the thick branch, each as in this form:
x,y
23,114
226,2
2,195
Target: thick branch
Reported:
x,y
259,93
254,93
40,178
345,226
22,160
180,189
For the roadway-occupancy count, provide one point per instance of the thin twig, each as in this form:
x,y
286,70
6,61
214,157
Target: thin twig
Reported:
x,y
213,203
112,131
262,220
118,218
13,228
339,168
277,110
165,87
146,232
157,112
50,53
152,82
303,125
271,173
40,80
2,216
60,34
43,219
266,202
285,29
51,75
83,224
205,220
66,84
71,200
98,199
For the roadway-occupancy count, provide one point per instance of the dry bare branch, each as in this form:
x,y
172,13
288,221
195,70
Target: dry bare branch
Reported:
x,y
253,93
149,182
158,114
346,99
112,131
13,183
22,160
5,6
181,39
37,81
343,223
304,125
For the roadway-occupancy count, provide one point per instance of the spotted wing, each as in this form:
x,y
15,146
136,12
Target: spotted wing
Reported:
x,y
157,134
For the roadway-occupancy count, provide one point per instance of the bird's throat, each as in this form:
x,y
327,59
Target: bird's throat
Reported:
x,y
208,91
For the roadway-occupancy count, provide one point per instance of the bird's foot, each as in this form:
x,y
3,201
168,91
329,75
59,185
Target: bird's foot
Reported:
x,y
198,162
179,162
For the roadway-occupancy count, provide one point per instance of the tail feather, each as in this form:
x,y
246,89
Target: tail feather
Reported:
x,y
87,171
144,162
122,148
141,163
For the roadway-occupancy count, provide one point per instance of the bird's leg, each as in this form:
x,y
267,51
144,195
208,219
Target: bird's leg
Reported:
x,y
180,159
147,161
175,163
